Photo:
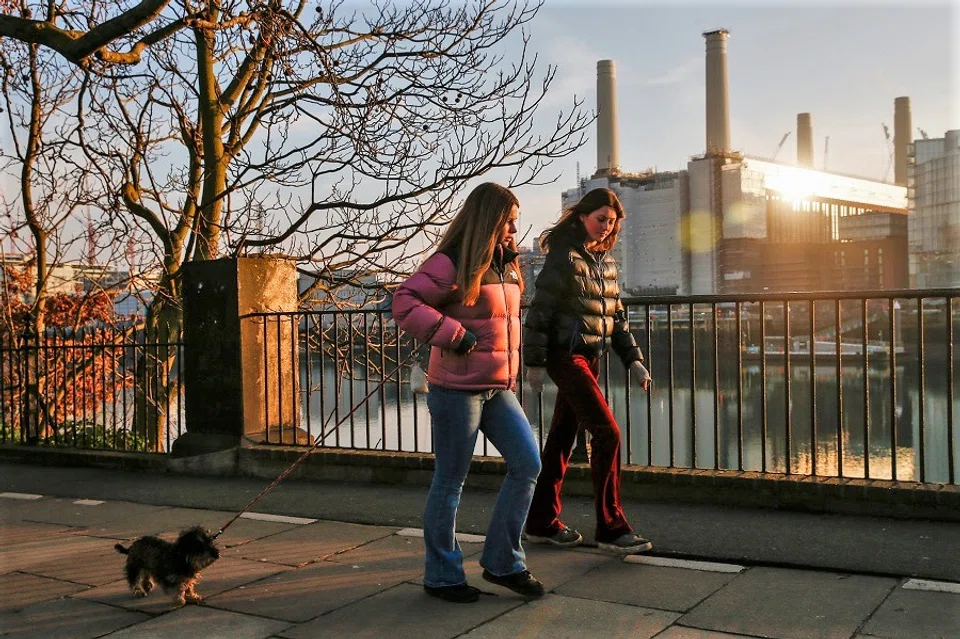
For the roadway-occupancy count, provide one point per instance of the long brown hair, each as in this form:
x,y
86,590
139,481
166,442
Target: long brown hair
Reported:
x,y
474,233
570,229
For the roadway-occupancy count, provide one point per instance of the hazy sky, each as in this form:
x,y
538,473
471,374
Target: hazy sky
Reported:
x,y
843,63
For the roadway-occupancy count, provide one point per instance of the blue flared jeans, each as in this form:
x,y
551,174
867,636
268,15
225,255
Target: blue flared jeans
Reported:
x,y
457,417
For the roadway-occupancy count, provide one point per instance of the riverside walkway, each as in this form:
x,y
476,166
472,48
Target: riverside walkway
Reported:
x,y
345,560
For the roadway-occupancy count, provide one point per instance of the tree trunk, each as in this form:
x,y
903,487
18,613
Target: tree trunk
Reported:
x,y
155,393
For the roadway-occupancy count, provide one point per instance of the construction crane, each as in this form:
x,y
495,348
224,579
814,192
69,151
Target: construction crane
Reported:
x,y
886,134
923,134
780,146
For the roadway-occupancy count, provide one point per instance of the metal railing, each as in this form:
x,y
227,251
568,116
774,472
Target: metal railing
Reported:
x,y
826,384
104,388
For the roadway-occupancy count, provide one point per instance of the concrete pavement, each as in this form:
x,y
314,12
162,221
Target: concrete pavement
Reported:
x,y
330,560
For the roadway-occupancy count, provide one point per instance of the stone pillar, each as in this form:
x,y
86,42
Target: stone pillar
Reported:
x,y
241,373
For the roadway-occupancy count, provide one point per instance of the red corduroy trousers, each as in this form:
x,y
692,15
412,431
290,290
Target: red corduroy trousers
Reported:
x,y
580,404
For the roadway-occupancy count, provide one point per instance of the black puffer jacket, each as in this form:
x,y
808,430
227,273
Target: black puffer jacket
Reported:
x,y
577,308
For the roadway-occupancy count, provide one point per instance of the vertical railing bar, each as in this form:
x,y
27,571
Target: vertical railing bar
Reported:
x,y
951,469
693,386
893,389
306,319
865,322
296,402
416,419
321,348
83,390
716,388
814,438
383,381
351,365
788,387
115,360
739,385
399,393
337,380
763,386
839,340
670,367
366,376
649,392
921,336
265,332
629,433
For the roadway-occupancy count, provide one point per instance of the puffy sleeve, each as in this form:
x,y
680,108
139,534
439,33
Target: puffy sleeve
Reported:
x,y
418,303
622,340
553,287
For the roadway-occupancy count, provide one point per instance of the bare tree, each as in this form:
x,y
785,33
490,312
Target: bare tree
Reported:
x,y
36,91
66,27
338,136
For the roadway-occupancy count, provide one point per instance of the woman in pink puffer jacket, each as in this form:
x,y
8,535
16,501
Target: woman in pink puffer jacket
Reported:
x,y
465,302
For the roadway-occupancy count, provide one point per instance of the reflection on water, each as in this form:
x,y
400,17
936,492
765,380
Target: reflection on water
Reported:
x,y
394,419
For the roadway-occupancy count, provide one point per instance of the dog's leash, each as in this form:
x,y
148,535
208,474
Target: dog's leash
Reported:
x,y
318,440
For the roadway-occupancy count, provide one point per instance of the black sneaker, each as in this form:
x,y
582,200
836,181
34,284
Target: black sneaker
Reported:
x,y
564,538
522,583
629,544
461,593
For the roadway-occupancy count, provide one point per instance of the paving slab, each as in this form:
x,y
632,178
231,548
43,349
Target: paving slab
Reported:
x,y
67,548
224,575
308,543
682,632
18,590
405,553
91,564
676,589
20,532
780,603
302,594
916,614
199,621
403,611
558,617
67,619
557,566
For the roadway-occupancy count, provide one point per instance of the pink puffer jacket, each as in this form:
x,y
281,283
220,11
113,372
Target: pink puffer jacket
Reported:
x,y
428,307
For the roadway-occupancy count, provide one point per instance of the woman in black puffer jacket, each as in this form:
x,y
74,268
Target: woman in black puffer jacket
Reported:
x,y
575,316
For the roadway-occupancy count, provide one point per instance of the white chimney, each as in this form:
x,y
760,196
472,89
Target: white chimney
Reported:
x,y
718,99
804,140
608,153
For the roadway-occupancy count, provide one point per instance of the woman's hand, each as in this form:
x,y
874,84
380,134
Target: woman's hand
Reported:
x,y
641,374
467,342
535,378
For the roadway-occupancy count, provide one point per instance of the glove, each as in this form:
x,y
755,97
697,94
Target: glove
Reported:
x,y
535,378
641,374
467,342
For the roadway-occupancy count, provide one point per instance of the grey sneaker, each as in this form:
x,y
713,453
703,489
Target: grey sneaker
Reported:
x,y
564,538
629,544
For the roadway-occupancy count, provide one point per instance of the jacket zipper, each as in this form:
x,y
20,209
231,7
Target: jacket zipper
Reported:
x,y
503,288
603,305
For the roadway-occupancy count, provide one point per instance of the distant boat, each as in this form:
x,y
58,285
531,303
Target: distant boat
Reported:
x,y
826,349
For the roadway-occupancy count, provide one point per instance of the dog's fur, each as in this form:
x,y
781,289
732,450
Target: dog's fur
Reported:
x,y
173,566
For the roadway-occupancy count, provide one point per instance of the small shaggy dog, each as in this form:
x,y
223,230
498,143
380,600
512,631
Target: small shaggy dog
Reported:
x,y
174,566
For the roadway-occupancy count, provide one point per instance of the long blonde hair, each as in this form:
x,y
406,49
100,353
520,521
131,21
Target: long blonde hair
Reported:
x,y
474,233
570,227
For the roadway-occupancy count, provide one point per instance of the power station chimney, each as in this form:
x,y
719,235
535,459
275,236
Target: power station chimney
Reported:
x,y
804,140
902,137
718,100
608,152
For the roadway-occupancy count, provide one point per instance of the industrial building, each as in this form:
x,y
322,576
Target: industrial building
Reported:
x,y
934,193
733,223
